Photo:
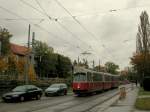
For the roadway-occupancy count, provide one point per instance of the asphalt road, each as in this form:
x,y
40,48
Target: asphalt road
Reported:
x,y
69,103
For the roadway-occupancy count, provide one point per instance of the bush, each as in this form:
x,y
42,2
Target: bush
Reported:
x,y
146,83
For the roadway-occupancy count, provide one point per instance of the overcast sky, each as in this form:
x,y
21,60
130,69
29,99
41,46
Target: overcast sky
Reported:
x,y
109,32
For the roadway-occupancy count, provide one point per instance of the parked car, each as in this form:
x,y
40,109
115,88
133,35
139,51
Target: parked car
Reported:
x,y
56,89
22,93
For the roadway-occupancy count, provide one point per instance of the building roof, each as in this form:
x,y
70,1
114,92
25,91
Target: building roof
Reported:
x,y
18,49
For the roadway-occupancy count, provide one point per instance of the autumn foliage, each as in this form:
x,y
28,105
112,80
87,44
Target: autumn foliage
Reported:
x,y
141,59
3,65
137,59
21,70
141,63
12,65
31,73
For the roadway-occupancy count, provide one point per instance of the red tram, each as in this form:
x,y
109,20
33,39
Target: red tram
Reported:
x,y
88,81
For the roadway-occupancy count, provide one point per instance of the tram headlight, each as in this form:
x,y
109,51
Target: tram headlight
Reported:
x,y
78,87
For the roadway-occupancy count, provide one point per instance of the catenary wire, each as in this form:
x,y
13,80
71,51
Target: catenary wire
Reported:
x,y
36,25
60,24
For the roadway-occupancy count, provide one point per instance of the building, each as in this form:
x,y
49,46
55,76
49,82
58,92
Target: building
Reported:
x,y
19,54
19,51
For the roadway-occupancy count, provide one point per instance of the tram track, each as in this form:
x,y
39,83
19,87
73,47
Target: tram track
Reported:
x,y
86,103
83,100
45,105
65,103
79,101
34,105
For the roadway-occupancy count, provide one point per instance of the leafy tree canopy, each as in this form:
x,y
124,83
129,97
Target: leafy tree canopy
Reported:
x,y
5,41
49,63
111,67
141,59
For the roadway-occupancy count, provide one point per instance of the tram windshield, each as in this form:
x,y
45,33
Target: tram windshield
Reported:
x,y
79,77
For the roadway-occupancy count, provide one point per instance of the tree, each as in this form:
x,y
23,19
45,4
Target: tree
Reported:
x,y
32,75
138,61
83,63
63,66
5,44
3,65
12,67
75,63
141,59
111,67
42,56
50,64
98,68
129,74
143,35
42,49
21,68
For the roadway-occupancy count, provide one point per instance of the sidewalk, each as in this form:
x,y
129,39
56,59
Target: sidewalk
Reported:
x,y
125,105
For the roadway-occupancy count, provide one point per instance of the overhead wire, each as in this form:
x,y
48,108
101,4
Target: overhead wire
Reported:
x,y
43,12
104,12
76,20
51,18
31,22
74,17
14,19
81,25
60,24
42,9
64,27
15,14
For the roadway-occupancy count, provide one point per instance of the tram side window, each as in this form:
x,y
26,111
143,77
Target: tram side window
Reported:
x,y
107,78
112,78
97,77
94,77
100,77
89,76
116,78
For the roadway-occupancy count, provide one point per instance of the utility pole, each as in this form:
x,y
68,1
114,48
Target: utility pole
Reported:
x,y
33,50
0,47
29,30
78,60
99,66
27,58
93,64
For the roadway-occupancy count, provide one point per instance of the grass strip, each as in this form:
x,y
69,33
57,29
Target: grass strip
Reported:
x,y
142,103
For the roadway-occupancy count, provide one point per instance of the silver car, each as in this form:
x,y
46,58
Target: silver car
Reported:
x,y
56,89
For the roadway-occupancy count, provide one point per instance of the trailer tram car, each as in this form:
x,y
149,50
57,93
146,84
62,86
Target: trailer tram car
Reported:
x,y
88,81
